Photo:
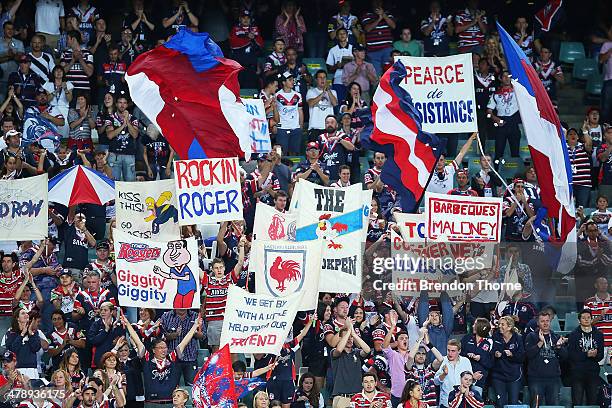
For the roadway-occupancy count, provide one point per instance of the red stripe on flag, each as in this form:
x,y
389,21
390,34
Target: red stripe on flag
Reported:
x,y
83,190
401,153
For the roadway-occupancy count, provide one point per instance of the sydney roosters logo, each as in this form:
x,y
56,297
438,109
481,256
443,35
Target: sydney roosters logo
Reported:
x,y
138,252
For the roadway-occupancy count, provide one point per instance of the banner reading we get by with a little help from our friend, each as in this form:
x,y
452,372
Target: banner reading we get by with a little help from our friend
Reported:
x,y
157,274
208,190
442,89
257,323
24,210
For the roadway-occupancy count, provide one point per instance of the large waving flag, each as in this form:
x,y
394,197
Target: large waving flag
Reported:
x,y
191,93
547,146
411,152
213,385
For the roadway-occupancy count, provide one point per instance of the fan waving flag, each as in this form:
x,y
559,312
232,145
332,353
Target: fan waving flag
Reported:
x,y
411,153
213,385
547,146
191,93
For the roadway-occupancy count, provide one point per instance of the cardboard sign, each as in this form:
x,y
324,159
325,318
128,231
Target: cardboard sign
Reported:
x,y
257,323
463,219
258,125
24,209
334,215
272,225
442,89
283,268
412,226
208,190
159,275
147,209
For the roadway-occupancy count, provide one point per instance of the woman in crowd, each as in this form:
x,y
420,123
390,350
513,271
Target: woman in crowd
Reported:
x,y
103,115
60,380
9,169
411,396
493,55
110,365
261,400
59,95
71,364
290,26
147,328
508,354
12,107
23,340
308,393
354,104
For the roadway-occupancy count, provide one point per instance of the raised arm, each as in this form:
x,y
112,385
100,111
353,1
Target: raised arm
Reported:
x,y
140,347
196,325
465,148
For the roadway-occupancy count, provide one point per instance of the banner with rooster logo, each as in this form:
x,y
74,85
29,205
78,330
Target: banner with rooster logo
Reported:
x,y
258,323
335,216
283,268
273,225
160,275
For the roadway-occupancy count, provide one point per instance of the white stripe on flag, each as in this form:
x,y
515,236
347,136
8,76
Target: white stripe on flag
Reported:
x,y
145,94
386,122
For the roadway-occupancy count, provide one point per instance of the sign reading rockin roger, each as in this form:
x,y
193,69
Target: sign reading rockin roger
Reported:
x,y
442,89
208,190
159,275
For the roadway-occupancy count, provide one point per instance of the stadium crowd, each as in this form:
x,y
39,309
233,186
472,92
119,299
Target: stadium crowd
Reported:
x,y
316,65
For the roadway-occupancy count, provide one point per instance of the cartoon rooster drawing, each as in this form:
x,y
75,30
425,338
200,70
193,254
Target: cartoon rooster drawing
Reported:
x,y
282,271
327,231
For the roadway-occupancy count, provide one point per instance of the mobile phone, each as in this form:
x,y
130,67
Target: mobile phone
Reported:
x,y
279,150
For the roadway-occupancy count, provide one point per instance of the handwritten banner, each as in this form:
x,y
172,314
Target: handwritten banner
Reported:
x,y
464,219
273,225
24,209
258,125
208,190
257,323
442,89
147,209
412,226
283,268
159,275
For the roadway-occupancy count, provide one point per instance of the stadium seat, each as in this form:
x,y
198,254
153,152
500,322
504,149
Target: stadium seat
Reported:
x,y
473,166
565,396
249,93
314,64
202,355
594,84
571,51
555,325
552,406
586,406
571,321
516,406
510,167
524,152
583,68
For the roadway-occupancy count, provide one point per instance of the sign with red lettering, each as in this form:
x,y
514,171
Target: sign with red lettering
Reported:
x,y
208,190
442,89
258,323
412,226
463,219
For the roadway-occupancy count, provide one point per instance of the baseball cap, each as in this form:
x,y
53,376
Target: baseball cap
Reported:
x,y
102,244
591,109
262,157
358,47
13,132
89,387
9,356
65,272
434,308
245,12
24,58
287,75
312,145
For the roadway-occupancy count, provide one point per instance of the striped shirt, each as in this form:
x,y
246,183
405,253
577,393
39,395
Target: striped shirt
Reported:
x,y
289,104
172,323
216,295
380,37
473,36
597,307
371,175
425,377
76,74
8,288
360,400
581,165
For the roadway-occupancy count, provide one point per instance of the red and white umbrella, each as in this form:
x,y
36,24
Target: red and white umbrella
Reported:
x,y
81,185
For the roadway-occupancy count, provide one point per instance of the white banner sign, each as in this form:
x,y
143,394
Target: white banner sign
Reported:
x,y
147,209
24,209
283,268
258,125
334,215
412,226
208,190
257,323
442,89
159,275
273,225
463,219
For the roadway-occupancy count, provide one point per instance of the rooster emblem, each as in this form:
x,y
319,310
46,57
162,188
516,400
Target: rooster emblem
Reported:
x,y
282,271
327,231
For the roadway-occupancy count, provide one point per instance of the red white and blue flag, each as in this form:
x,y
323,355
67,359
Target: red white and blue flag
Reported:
x,y
548,148
213,385
191,93
411,153
81,185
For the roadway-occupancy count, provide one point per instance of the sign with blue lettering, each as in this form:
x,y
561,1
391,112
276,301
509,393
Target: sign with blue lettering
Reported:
x,y
258,126
442,89
208,190
24,209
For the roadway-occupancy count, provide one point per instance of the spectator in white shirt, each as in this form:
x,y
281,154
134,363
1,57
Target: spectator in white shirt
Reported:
x,y
321,102
442,180
49,20
42,62
449,373
291,115
338,56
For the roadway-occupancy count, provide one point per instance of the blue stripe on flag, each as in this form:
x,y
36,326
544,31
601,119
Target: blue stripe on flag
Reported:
x,y
199,48
353,221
